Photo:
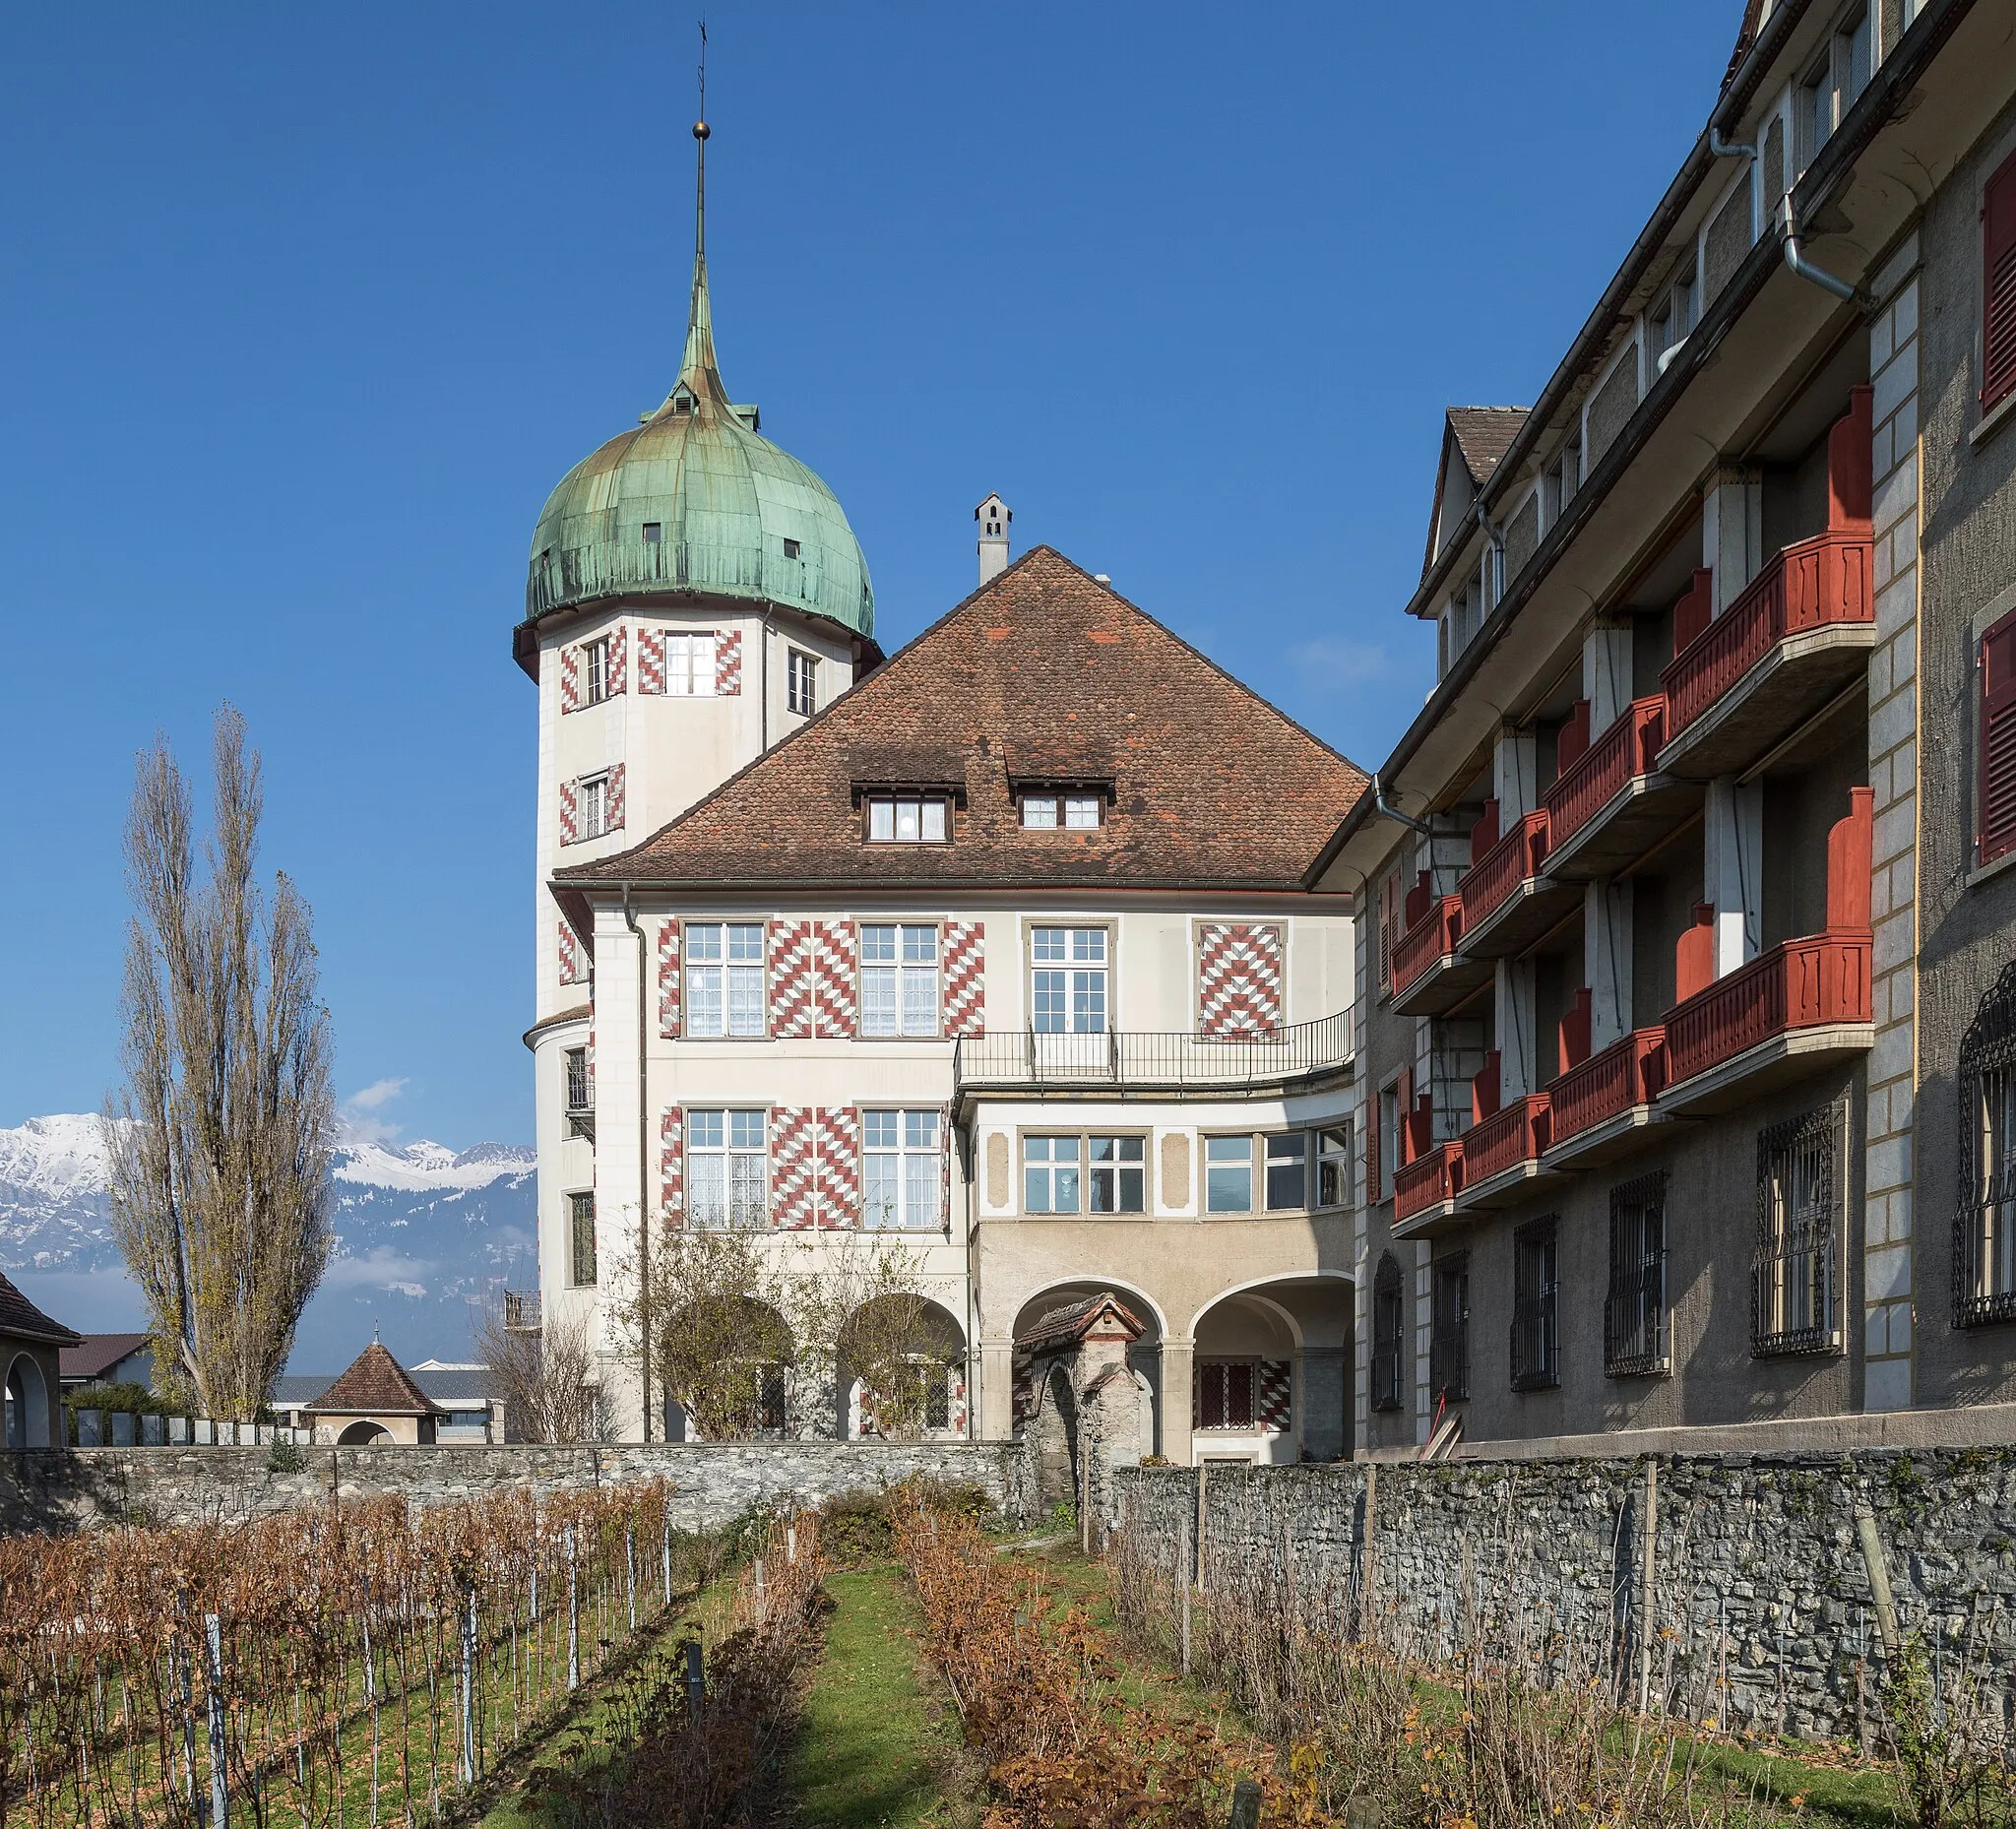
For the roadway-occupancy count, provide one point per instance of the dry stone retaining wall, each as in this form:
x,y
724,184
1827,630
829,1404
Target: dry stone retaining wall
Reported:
x,y
63,1489
1761,1610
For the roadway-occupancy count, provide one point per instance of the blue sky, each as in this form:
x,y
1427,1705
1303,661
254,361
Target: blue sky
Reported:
x,y
308,309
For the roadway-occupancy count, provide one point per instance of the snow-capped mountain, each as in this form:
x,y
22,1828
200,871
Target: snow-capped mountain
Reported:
x,y
421,1230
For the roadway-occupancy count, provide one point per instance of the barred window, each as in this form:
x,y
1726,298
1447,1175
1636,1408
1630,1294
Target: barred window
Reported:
x,y
1224,1392
1985,1226
1389,1334
581,1240
1449,1329
1634,1315
1537,1305
1792,1280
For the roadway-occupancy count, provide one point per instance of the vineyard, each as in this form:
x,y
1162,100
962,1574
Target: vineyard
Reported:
x,y
353,1666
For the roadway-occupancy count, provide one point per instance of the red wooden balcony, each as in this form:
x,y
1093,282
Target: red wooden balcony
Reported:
x,y
1611,804
1797,634
1425,1188
1508,898
1501,1153
1803,998
1608,1092
1428,973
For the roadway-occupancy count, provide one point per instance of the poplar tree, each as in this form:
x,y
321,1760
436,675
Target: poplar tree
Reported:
x,y
219,1141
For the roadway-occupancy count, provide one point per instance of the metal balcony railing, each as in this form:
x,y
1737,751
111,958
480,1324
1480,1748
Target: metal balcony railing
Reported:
x,y
1134,1057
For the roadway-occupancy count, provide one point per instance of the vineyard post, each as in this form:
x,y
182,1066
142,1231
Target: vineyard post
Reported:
x,y
1646,1577
372,1698
759,1582
668,1548
573,1616
220,1795
468,1698
695,1680
188,1709
1183,1586
791,1540
630,1567
1369,1565
1245,1805
1201,1469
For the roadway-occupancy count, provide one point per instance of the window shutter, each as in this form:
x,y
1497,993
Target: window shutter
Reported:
x,y
1389,929
570,815
1999,740
1998,286
570,679
619,653
1372,1128
615,800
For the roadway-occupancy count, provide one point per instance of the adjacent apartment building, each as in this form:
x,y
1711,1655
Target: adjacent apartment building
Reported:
x,y
1687,1076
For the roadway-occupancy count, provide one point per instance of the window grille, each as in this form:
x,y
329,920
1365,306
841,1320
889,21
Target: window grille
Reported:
x,y
1985,1225
580,1088
1537,1306
1634,1314
1224,1394
595,808
1793,1284
1389,1334
1449,1329
581,1242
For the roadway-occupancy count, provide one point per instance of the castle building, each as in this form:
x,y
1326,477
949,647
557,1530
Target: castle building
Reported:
x,y
1002,949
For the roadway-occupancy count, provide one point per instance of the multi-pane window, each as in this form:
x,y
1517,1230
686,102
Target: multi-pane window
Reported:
x,y
1674,319
1564,476
1068,981
581,1240
725,979
902,1171
1118,1175
1288,1171
1634,1315
594,657
727,1178
1228,1174
1224,1392
801,682
1051,1171
1535,1306
1333,1166
1985,1226
906,819
1389,1334
1449,1329
1793,1276
690,665
899,980
1832,86
1071,811
595,806
1095,1174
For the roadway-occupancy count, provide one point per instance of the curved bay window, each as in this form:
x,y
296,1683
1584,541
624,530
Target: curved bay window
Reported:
x,y
1793,1276
1388,1332
1984,1226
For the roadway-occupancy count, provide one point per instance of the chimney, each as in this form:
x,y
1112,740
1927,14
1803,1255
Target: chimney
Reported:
x,y
993,516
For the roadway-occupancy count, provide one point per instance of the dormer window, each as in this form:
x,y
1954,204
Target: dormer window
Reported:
x,y
1048,812
790,550
907,819
654,531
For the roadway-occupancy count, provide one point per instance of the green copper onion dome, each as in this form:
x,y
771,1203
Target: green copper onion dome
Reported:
x,y
696,500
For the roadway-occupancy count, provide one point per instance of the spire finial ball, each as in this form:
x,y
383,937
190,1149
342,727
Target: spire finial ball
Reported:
x,y
701,130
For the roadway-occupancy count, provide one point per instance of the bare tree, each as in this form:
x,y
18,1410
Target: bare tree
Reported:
x,y
219,1141
546,1374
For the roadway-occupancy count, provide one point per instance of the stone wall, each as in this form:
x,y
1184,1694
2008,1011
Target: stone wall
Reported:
x,y
75,1488
1761,1607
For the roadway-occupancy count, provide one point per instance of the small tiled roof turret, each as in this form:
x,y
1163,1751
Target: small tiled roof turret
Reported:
x,y
375,1386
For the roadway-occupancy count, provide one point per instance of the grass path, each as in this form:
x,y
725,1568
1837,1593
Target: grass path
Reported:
x,y
876,1749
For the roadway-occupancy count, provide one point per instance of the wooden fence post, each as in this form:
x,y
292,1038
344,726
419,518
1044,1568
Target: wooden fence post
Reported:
x,y
219,1791
1201,1587
1368,1580
573,1615
1187,1545
1878,1568
1647,1556
1245,1805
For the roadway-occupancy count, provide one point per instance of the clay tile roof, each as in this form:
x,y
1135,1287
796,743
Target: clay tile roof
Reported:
x,y
97,1354
1483,435
375,1386
1042,672
21,1319
1070,1324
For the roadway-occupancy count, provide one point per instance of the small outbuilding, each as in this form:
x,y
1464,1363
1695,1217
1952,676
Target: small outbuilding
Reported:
x,y
374,1404
30,1347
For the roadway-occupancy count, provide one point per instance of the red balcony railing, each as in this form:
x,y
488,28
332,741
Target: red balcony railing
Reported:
x,y
1430,938
1625,749
1489,882
1631,1071
1427,1181
1517,1133
1822,581
1797,985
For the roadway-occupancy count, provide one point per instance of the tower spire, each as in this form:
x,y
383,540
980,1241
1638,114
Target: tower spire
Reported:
x,y
699,374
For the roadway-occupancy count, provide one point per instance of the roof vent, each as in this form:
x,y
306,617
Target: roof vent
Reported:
x,y
993,516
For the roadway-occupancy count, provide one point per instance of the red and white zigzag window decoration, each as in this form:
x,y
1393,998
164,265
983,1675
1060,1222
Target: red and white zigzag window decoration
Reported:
x,y
728,663
673,1164
570,814
651,662
840,1166
669,979
1239,980
794,1168
573,957
813,980
966,979
570,678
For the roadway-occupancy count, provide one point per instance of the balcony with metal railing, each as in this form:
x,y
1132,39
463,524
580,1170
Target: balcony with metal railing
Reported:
x,y
1799,633
1138,1061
